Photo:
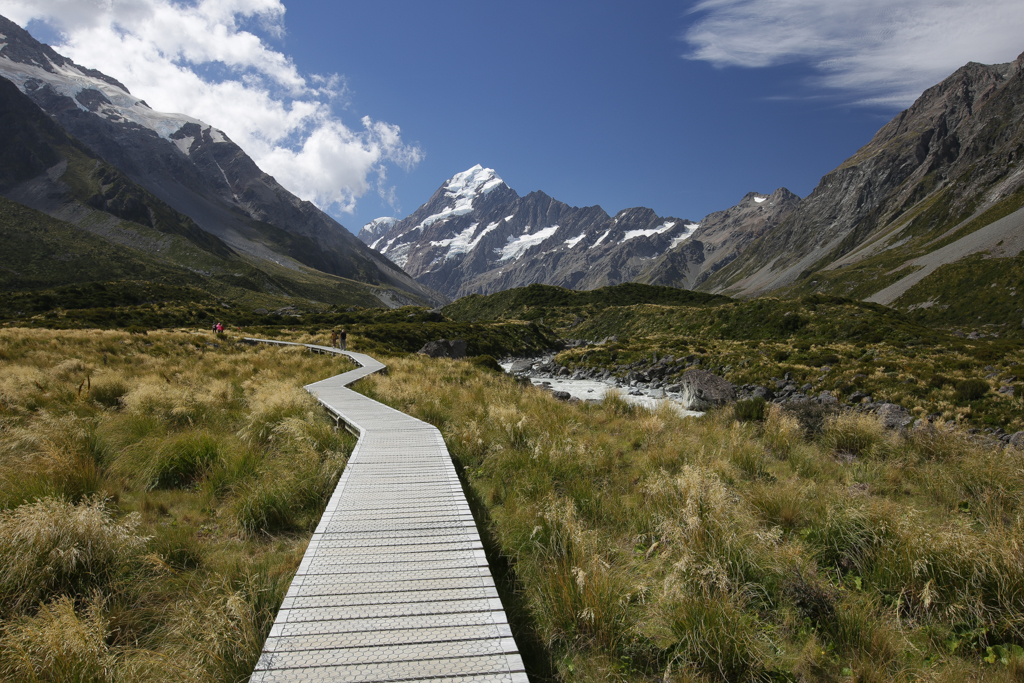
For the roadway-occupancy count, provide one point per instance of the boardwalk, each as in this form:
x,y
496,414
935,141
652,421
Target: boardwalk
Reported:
x,y
394,585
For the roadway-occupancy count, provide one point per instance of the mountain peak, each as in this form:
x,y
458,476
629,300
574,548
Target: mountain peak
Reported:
x,y
473,182
375,229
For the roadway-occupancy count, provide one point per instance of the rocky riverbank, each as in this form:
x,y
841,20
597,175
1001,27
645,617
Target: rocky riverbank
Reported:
x,y
683,382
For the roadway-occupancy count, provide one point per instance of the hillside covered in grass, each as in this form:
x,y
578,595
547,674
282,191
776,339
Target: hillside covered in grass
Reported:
x,y
832,344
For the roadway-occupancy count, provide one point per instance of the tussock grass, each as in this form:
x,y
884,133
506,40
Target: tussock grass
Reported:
x,y
856,435
53,547
648,546
156,494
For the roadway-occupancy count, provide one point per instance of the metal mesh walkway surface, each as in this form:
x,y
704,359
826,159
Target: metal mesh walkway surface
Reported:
x,y
394,585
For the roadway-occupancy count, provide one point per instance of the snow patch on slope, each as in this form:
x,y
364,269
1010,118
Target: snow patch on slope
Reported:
x,y
601,238
760,199
664,227
464,242
679,239
517,246
573,241
69,81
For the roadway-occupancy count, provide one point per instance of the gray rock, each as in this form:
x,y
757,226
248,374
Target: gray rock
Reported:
x,y
894,416
674,388
1006,390
858,397
826,398
443,348
702,390
656,393
521,366
1017,440
763,392
561,395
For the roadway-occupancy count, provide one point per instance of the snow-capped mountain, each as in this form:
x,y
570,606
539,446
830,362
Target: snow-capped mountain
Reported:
x,y
477,235
191,166
376,228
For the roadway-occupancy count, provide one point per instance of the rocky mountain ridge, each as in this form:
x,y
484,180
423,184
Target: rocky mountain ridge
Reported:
x,y
939,183
476,235
195,169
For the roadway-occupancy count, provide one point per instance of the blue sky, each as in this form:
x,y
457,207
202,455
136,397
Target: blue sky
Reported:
x,y
366,108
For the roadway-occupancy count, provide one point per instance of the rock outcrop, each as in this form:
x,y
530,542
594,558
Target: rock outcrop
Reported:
x,y
703,390
444,348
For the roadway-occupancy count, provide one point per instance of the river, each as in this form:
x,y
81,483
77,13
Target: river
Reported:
x,y
589,389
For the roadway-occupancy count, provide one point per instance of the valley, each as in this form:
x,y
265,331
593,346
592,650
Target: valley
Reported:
x,y
806,462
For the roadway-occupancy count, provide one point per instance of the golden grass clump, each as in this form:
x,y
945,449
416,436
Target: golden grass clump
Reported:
x,y
52,546
782,431
60,643
855,435
271,402
57,455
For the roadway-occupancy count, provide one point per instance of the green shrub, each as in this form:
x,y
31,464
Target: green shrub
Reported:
x,y
615,401
183,461
486,363
939,381
751,410
812,416
970,390
271,503
178,547
108,392
718,638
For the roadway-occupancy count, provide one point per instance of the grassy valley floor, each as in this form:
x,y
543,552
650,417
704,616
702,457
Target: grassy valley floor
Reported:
x,y
640,546
158,491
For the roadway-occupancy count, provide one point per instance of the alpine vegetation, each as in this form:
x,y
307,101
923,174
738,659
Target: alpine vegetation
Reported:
x,y
156,495
646,546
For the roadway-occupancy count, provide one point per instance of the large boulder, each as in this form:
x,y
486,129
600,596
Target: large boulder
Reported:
x,y
703,390
444,348
521,367
894,416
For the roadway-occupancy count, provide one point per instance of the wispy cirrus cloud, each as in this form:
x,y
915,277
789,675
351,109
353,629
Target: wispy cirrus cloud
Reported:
x,y
884,52
207,59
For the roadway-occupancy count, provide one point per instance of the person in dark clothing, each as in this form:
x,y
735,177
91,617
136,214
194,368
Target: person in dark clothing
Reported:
x,y
342,339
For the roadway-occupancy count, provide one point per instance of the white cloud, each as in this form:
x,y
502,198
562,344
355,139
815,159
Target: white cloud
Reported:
x,y
880,51
166,51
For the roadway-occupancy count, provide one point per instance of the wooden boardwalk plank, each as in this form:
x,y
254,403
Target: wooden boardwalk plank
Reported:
x,y
394,585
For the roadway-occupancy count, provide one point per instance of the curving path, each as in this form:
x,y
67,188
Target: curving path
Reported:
x,y
394,585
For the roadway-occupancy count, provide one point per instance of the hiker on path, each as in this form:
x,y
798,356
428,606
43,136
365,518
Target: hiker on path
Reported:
x,y
342,339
